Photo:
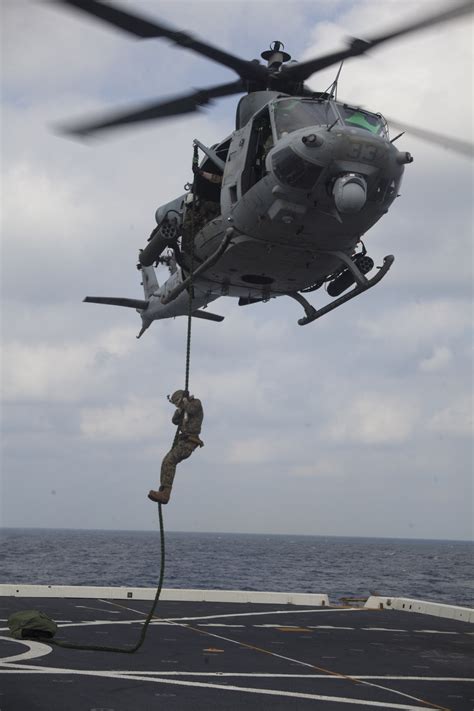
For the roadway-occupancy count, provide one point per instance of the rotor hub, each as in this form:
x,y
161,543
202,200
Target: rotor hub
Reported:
x,y
275,56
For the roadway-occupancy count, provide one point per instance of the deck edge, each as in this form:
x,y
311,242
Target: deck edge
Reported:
x,y
188,595
424,607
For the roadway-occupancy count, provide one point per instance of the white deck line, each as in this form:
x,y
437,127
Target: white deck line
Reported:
x,y
406,604
130,593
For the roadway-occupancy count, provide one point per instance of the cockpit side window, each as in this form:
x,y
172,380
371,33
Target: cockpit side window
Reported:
x,y
292,114
352,116
260,143
208,180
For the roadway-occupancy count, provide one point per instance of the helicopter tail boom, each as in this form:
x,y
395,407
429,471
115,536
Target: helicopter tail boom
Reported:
x,y
117,301
149,281
153,307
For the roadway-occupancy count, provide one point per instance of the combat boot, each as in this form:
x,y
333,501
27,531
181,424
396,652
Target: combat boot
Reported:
x,y
162,496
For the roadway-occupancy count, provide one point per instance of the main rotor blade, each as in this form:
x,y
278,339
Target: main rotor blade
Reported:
x,y
185,104
456,145
144,28
302,71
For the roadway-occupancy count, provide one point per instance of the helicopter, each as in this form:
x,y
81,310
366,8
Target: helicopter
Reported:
x,y
280,206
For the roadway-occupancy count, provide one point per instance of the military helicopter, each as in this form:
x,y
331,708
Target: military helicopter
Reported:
x,y
280,206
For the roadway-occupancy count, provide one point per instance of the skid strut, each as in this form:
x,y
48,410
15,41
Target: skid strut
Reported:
x,y
362,285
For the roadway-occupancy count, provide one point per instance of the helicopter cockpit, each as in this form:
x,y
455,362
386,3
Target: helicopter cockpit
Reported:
x,y
264,143
354,116
292,114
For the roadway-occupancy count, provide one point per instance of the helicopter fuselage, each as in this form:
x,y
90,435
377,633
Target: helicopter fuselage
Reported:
x,y
292,190
277,208
295,197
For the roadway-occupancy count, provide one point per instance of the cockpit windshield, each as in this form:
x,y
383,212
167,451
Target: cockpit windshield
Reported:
x,y
292,114
359,118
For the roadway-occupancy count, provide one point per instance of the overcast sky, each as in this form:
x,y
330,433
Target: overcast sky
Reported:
x,y
358,424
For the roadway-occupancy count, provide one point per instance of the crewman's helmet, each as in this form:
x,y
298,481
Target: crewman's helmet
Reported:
x,y
176,397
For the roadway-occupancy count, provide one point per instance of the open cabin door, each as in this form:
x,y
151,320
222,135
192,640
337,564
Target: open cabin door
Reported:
x,y
246,158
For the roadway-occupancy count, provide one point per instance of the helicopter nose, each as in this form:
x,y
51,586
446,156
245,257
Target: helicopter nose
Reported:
x,y
350,193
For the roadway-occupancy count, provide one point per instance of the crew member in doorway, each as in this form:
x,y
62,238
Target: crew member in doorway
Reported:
x,y
211,177
195,217
188,417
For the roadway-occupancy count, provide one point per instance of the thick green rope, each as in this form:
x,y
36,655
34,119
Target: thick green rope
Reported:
x,y
136,647
131,650
191,285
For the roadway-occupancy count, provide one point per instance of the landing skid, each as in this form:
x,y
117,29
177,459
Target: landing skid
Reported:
x,y
363,284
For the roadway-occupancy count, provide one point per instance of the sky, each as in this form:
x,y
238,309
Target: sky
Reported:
x,y
359,424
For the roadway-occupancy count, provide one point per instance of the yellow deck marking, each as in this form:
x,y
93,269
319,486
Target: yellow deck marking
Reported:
x,y
339,675
293,629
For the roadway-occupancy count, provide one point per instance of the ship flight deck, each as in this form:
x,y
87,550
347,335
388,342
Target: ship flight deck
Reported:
x,y
228,655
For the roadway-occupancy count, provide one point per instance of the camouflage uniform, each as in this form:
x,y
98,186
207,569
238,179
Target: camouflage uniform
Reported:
x,y
204,212
188,417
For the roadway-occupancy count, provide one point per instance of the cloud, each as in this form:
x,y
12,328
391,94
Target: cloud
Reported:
x,y
454,420
61,372
323,466
137,420
35,25
44,371
251,451
373,419
439,359
40,209
409,326
402,78
269,450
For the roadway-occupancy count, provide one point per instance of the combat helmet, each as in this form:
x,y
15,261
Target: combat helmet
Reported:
x,y
176,397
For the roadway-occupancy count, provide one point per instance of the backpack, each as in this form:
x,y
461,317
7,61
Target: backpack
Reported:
x,y
31,624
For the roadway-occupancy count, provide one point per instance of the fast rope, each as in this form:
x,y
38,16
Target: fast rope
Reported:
x,y
195,165
136,647
131,650
191,274
36,625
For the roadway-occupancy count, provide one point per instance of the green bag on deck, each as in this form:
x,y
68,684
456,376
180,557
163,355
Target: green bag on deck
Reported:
x,y
31,624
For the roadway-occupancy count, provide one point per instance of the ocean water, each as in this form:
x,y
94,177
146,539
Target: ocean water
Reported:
x,y
441,571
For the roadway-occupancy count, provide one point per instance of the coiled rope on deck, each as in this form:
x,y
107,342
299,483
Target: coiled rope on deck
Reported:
x,y
136,647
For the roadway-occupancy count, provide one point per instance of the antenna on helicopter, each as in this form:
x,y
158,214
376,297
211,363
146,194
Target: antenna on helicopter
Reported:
x,y
280,75
332,88
275,56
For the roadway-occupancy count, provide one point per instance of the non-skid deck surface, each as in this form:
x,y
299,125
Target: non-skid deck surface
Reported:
x,y
226,656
